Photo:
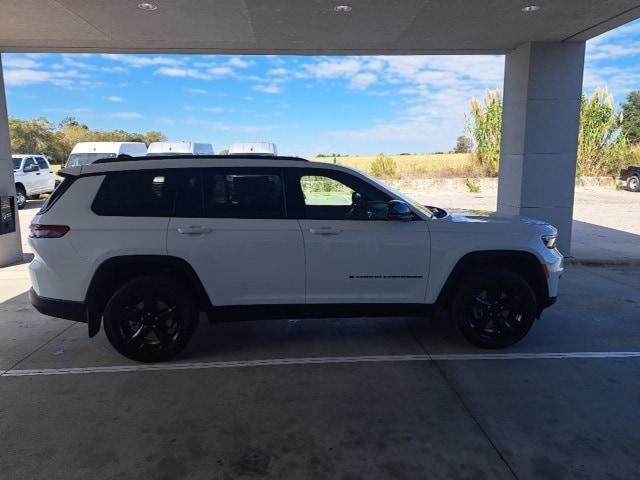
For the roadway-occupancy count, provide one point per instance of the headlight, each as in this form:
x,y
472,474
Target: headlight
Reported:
x,y
550,240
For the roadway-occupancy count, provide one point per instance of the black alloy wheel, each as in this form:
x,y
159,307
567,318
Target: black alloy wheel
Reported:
x,y
150,319
495,309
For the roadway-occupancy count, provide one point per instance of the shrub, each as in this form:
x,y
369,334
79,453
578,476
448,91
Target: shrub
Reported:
x,y
384,167
472,185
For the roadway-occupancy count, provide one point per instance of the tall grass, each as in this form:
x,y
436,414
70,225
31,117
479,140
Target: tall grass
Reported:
x,y
485,125
602,147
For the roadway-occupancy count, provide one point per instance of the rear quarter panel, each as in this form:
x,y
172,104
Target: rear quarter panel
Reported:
x,y
73,259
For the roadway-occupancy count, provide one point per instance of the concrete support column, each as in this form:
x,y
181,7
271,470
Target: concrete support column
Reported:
x,y
540,121
10,243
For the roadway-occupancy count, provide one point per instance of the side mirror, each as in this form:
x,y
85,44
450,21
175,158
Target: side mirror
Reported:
x,y
31,168
398,210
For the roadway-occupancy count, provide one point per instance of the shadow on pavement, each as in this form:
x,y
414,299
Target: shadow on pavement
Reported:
x,y
597,245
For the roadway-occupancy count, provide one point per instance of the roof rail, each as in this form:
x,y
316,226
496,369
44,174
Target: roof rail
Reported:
x,y
129,158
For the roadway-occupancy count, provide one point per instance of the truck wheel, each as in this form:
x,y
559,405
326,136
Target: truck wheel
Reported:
x,y
633,183
21,197
494,309
150,319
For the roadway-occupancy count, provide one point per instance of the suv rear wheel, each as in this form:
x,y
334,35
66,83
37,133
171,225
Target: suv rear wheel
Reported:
x,y
494,309
150,319
633,183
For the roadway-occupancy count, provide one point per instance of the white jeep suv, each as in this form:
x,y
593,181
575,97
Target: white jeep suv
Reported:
x,y
142,246
33,176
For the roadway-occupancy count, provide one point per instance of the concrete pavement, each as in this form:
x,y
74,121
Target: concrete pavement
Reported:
x,y
431,407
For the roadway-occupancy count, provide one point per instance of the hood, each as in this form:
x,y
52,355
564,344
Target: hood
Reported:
x,y
508,221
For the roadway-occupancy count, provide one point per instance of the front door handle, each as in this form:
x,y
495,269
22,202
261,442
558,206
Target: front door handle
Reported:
x,y
194,230
324,231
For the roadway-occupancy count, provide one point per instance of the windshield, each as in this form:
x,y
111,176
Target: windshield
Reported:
x,y
77,159
16,162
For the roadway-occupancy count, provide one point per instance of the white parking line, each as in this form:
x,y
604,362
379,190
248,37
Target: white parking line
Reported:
x,y
161,367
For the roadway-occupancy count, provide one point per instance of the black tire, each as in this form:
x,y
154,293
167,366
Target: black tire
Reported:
x,y
21,197
633,183
150,319
494,309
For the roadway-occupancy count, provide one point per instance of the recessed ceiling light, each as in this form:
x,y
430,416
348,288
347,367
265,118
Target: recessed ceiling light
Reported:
x,y
531,8
147,6
342,8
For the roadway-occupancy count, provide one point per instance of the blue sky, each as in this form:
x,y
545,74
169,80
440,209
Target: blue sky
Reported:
x,y
306,105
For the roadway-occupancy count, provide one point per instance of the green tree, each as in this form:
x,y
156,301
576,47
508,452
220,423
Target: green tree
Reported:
x,y
56,142
463,145
631,117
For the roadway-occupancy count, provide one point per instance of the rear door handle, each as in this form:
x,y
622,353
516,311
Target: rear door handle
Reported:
x,y
194,230
324,231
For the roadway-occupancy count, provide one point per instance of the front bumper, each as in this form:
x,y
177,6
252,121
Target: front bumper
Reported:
x,y
66,309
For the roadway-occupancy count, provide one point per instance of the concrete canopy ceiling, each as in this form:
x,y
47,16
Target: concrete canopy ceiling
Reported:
x,y
302,26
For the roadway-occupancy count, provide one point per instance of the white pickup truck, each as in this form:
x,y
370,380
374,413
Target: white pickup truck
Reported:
x,y
33,176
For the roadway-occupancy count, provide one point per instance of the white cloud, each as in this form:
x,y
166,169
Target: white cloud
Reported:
x,y
272,89
221,71
116,69
18,62
126,115
278,71
343,67
363,80
33,77
196,91
237,62
140,61
177,72
115,99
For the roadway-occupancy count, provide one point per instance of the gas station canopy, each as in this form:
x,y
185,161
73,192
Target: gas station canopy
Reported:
x,y
303,26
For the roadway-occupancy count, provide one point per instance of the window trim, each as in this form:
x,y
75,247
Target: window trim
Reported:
x,y
298,205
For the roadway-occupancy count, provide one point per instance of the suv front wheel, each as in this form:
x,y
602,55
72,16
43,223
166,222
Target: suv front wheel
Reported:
x,y
495,308
150,319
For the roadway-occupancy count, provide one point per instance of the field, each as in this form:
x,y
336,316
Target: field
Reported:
x,y
435,165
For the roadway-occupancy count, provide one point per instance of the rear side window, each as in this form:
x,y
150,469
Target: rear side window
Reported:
x,y
232,193
141,193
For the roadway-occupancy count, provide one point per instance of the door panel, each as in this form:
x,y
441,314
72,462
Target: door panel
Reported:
x,y
231,225
365,261
354,254
243,261
30,180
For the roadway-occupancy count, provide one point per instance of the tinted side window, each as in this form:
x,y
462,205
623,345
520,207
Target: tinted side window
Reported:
x,y
146,193
232,193
42,163
28,162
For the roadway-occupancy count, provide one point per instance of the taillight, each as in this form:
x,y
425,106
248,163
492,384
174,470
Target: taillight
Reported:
x,y
47,231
